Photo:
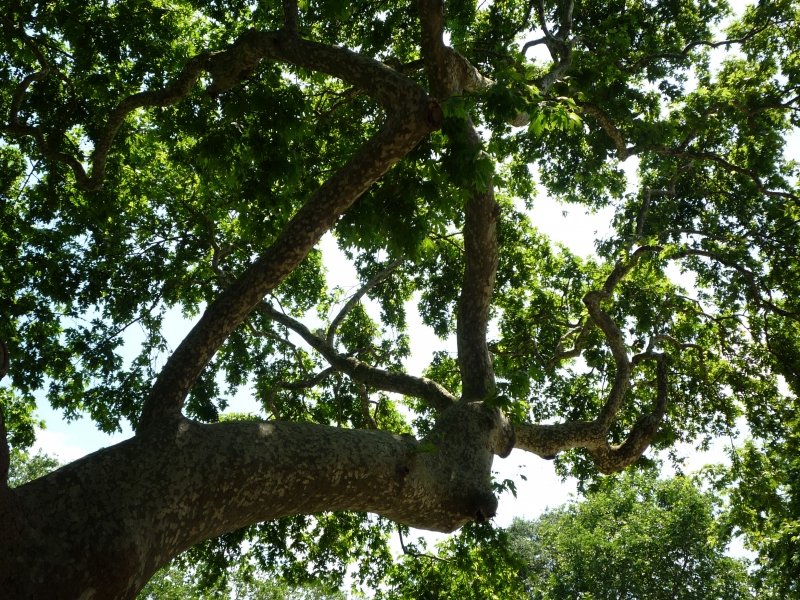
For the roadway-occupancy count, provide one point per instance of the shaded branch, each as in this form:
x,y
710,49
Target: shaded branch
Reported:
x,y
582,330
388,270
5,359
641,216
308,383
228,68
5,450
390,381
268,334
291,16
608,125
610,459
559,44
528,45
641,62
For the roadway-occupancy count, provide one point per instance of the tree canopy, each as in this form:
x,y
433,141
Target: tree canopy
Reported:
x,y
634,538
189,155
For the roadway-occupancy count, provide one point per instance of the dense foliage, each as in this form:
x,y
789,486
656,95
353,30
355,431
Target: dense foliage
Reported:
x,y
634,538
103,231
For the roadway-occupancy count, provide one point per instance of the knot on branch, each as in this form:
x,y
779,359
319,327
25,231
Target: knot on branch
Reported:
x,y
449,471
434,115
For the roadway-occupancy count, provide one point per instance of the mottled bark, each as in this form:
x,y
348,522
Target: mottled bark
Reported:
x,y
474,305
101,526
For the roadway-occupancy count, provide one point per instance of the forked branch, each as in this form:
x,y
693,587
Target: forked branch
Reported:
x,y
548,440
389,381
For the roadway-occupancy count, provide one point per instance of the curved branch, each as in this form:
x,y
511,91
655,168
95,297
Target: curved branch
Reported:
x,y
548,440
610,459
641,62
388,270
390,381
415,115
608,125
364,394
434,51
559,44
229,68
408,552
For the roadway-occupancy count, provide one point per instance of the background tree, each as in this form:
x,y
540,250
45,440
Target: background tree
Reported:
x,y
638,537
129,189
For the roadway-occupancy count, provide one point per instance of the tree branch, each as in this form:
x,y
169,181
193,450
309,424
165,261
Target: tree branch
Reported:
x,y
291,16
608,125
610,459
480,268
558,43
434,51
390,381
408,552
388,270
364,394
5,450
641,62
710,156
305,384
220,477
402,130
229,68
548,440
753,283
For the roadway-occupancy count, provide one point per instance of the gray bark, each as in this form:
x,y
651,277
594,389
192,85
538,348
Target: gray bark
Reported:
x,y
101,526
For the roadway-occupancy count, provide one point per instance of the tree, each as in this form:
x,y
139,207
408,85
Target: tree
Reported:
x,y
636,538
191,154
176,582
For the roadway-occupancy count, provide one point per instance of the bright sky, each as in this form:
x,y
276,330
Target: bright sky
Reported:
x,y
543,488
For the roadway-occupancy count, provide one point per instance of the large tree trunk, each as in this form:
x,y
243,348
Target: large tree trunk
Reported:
x,y
100,527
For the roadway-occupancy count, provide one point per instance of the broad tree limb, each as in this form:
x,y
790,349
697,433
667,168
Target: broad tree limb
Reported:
x,y
132,507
